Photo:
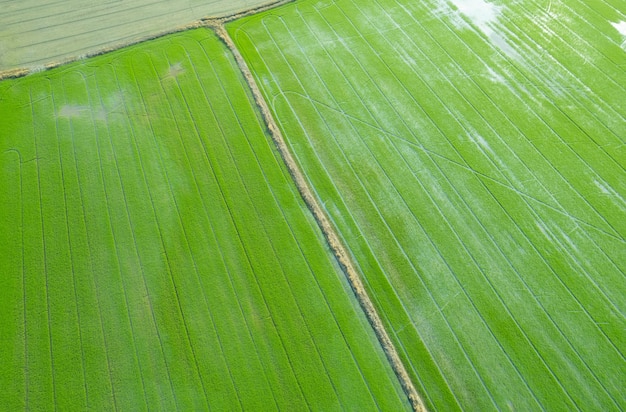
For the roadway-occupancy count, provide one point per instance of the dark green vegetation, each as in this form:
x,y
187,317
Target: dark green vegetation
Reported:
x,y
155,254
473,161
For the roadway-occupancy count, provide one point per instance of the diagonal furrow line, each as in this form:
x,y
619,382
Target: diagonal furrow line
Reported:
x,y
611,341
594,241
521,100
464,166
590,96
367,242
417,221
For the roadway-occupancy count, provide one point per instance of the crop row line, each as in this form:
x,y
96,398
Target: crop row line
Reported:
x,y
70,246
232,219
44,251
587,22
93,266
241,179
159,225
591,280
123,283
244,132
286,278
121,179
116,242
361,183
205,207
448,159
455,34
134,140
298,243
23,273
591,97
309,264
512,123
200,138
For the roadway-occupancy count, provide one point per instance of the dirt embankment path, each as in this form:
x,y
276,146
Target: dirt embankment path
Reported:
x,y
323,221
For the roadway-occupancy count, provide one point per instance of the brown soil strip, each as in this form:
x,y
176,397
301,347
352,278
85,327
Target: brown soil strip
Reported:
x,y
323,221
13,73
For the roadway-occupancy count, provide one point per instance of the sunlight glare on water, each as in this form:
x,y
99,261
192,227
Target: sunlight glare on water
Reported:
x,y
621,28
480,12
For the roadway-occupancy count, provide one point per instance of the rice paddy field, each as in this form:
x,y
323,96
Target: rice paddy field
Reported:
x,y
155,254
157,251
472,155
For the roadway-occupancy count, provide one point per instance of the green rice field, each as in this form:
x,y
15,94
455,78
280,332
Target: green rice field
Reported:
x,y
155,253
471,155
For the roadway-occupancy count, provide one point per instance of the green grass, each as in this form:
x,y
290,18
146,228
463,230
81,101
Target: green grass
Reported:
x,y
155,254
475,169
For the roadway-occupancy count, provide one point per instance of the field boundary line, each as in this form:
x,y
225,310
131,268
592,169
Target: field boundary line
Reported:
x,y
196,24
337,247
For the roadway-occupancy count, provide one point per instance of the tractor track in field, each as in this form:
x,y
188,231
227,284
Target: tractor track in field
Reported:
x,y
328,230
